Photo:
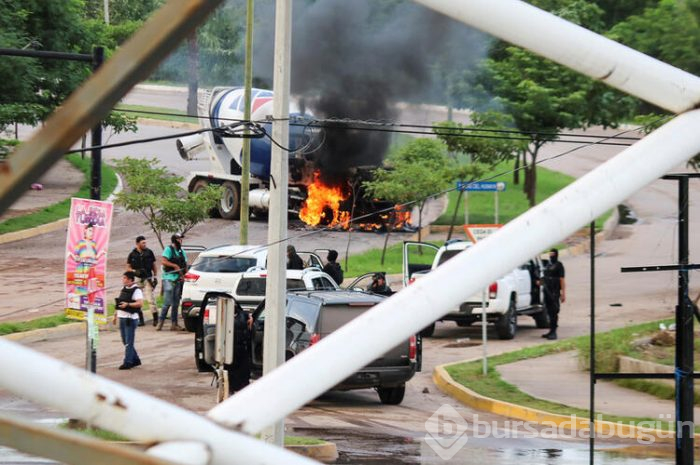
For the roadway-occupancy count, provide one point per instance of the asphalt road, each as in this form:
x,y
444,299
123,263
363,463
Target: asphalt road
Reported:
x,y
366,431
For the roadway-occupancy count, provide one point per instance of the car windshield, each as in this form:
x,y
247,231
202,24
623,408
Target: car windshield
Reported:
x,y
256,286
223,264
447,254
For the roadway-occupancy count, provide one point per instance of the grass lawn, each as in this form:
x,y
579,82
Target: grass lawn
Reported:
x,y
61,209
492,385
38,323
158,113
511,203
371,261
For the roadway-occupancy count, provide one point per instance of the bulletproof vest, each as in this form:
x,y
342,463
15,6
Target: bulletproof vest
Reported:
x,y
127,294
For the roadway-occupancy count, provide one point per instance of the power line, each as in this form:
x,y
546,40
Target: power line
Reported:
x,y
350,123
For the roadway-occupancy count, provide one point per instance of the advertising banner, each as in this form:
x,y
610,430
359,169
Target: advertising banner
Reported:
x,y
86,259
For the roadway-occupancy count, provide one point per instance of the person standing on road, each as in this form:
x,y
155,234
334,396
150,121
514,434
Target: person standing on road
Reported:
x,y
174,267
554,291
239,370
332,268
127,305
142,261
294,261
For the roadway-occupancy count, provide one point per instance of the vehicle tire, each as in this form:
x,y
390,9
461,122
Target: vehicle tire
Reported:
x,y
391,395
507,324
190,323
428,331
542,318
201,184
230,202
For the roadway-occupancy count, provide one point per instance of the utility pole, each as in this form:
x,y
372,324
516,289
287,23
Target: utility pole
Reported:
x,y
245,165
276,288
106,8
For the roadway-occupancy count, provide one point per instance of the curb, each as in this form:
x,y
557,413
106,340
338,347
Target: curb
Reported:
x,y
54,226
326,452
608,429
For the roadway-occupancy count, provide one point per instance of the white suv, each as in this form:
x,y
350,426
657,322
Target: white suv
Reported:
x,y
249,289
218,269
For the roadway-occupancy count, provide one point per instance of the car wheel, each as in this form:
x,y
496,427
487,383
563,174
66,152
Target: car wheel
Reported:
x,y
230,202
200,185
391,395
507,324
428,331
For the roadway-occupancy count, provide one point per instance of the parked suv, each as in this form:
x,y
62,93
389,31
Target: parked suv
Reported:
x,y
515,294
218,269
249,289
311,316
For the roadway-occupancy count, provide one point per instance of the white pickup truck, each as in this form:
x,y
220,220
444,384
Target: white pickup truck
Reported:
x,y
517,293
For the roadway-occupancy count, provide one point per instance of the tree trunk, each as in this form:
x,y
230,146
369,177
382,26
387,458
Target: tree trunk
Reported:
x,y
516,170
531,179
386,240
192,73
420,220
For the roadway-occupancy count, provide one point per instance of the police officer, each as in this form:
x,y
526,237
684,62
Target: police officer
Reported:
x,y
554,292
239,370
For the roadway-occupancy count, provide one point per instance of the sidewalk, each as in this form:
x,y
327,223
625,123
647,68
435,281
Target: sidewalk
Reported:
x,y
558,378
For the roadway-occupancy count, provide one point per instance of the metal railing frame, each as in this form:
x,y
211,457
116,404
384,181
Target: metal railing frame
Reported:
x,y
133,414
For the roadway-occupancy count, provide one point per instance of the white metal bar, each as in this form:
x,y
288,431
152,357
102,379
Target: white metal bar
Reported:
x,y
126,411
276,287
579,49
353,346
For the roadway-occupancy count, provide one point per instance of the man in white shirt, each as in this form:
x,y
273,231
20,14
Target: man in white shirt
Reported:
x,y
127,305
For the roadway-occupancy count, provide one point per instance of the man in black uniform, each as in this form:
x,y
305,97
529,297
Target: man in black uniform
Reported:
x,y
332,268
379,285
554,291
239,370
142,261
294,261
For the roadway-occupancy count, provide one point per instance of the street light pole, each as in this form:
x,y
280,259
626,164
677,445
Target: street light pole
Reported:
x,y
276,288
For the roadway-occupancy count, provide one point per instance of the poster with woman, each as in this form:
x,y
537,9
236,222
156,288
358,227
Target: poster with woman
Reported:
x,y
86,258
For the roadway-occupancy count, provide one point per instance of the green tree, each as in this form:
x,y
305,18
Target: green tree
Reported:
x,y
55,25
414,172
156,194
544,98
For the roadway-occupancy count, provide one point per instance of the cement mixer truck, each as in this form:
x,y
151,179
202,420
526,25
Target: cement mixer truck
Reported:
x,y
225,106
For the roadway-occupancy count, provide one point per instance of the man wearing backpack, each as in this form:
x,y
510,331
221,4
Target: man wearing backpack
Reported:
x,y
174,268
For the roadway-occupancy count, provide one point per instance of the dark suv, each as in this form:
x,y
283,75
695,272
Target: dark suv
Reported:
x,y
312,315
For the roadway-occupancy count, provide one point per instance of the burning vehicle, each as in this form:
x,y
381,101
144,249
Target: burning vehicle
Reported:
x,y
324,190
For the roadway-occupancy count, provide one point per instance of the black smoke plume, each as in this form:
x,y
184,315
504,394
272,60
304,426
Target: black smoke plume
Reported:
x,y
355,59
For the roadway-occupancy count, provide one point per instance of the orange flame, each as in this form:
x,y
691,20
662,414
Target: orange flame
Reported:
x,y
322,204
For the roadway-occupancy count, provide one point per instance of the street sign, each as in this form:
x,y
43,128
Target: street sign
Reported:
x,y
481,186
477,232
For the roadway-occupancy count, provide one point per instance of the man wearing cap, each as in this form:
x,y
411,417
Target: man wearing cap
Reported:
x,y
174,268
379,285
142,261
